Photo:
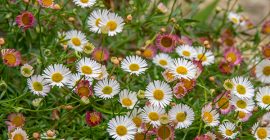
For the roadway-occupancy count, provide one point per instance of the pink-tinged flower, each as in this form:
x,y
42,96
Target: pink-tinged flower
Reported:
x,y
186,40
223,103
165,132
100,54
93,118
243,116
46,3
225,67
207,136
228,39
25,20
168,76
166,42
248,23
179,90
11,57
266,51
149,52
199,67
84,88
233,56
189,84
266,27
15,120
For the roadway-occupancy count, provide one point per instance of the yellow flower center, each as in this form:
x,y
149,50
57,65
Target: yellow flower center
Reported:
x,y
164,132
94,118
235,20
241,114
208,117
163,62
266,70
202,57
186,53
266,99
166,42
231,57
137,121
99,55
37,86
86,70
181,116
18,137
134,67
83,91
158,94
17,121
241,104
148,53
10,59
57,77
84,1
25,19
261,133
76,41
153,116
98,21
111,25
107,90
26,71
126,102
47,3
228,132
267,30
121,130
181,70
223,103
241,89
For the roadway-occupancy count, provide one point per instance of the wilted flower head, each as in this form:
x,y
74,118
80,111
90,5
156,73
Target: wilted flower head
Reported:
x,y
15,120
100,54
266,27
84,88
166,42
27,70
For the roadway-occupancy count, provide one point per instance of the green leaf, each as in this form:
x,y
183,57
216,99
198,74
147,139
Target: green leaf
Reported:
x,y
206,12
257,38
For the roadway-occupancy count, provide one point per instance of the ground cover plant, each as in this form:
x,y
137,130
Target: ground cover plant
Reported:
x,y
133,69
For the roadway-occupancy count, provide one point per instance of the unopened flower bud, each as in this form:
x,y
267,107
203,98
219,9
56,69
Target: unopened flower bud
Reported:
x,y
50,133
2,41
129,17
115,61
36,135
163,29
56,7
212,78
85,100
37,102
71,19
164,119
138,52
141,94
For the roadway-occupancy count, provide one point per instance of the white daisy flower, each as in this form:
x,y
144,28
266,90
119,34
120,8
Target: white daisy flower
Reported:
x,y
134,65
182,68
263,71
121,128
27,70
95,19
57,75
151,115
103,74
182,114
263,97
38,85
210,116
234,18
186,51
18,134
260,133
245,105
112,23
242,88
159,93
205,56
75,78
76,40
84,3
106,88
127,98
162,60
265,121
227,130
211,135
136,116
89,67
